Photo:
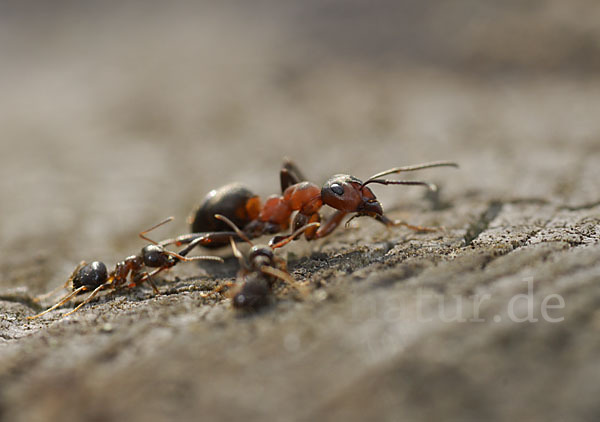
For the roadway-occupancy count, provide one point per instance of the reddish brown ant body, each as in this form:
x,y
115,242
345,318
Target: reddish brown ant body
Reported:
x,y
344,193
130,272
260,271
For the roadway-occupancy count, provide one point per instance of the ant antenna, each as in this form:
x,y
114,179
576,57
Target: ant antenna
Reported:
x,y
142,234
194,258
430,186
235,228
278,273
237,253
408,168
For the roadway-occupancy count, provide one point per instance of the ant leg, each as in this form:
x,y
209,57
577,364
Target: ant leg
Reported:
x,y
60,302
287,239
206,238
145,276
151,283
89,298
235,228
391,223
330,225
303,223
220,238
184,239
53,291
182,254
220,288
290,174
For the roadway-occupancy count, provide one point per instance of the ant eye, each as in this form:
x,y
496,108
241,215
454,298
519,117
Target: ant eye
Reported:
x,y
337,189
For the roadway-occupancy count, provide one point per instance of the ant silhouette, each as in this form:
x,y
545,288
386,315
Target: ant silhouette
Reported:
x,y
259,271
344,193
94,276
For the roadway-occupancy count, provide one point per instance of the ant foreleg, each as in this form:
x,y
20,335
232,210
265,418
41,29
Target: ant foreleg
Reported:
x,y
329,226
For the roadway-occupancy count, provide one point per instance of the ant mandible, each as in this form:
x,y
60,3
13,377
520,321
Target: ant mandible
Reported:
x,y
259,272
345,193
94,276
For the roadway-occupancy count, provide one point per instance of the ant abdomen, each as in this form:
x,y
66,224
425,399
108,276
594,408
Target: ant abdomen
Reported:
x,y
234,201
90,276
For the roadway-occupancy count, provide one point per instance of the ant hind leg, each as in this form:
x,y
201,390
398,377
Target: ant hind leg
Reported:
x,y
39,298
64,300
89,298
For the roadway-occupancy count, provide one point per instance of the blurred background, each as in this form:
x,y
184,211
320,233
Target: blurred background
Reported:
x,y
114,115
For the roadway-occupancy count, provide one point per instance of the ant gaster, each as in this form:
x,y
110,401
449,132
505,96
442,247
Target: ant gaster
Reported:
x,y
94,276
344,193
260,271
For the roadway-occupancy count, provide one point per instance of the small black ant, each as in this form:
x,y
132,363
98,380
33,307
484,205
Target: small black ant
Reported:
x,y
344,193
259,272
94,276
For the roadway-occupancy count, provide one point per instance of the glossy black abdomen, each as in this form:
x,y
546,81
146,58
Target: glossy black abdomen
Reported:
x,y
234,201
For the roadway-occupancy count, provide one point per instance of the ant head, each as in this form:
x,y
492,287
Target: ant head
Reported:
x,y
154,256
91,275
260,256
254,294
347,193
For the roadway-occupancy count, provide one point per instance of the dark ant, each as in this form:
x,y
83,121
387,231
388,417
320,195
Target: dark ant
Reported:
x,y
94,276
259,272
345,193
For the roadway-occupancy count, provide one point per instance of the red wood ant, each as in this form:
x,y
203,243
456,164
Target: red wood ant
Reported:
x,y
94,276
259,272
345,193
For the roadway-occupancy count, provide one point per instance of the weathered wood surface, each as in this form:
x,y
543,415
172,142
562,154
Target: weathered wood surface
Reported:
x,y
108,137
